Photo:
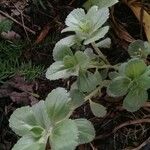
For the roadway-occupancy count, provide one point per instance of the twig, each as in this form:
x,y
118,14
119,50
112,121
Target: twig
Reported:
x,y
14,20
101,55
142,145
22,19
132,122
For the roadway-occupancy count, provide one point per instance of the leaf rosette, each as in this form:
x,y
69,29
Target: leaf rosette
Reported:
x,y
133,80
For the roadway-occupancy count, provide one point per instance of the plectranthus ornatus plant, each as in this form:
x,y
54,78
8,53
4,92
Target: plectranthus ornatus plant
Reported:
x,y
78,55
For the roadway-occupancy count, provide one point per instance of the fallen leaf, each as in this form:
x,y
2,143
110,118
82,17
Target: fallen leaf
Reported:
x,y
137,7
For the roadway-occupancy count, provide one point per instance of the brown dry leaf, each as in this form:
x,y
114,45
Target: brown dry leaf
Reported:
x,y
120,31
137,7
19,83
43,34
20,98
19,91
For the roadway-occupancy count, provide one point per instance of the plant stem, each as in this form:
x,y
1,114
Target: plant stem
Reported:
x,y
101,55
104,67
93,93
98,89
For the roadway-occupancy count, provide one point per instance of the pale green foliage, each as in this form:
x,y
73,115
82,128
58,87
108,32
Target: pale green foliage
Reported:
x,y
87,82
139,49
67,64
100,3
133,80
74,59
106,43
77,98
64,136
86,132
97,109
88,27
49,120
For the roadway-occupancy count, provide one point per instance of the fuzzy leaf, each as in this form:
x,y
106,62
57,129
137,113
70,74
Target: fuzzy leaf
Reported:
x,y
57,71
87,82
119,86
100,3
57,104
144,81
136,47
64,136
89,53
77,98
134,68
139,48
97,35
22,121
60,51
82,59
37,132
135,99
97,16
27,142
69,61
69,41
75,17
113,75
147,48
97,109
41,115
106,43
86,131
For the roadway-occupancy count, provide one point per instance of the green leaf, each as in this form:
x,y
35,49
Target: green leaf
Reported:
x,y
97,35
87,82
86,131
5,25
135,48
57,104
22,120
27,142
89,53
69,61
41,116
100,3
135,99
57,71
60,51
77,98
139,48
113,75
144,81
75,17
69,41
134,68
82,59
64,136
119,86
97,16
37,131
147,48
97,109
106,43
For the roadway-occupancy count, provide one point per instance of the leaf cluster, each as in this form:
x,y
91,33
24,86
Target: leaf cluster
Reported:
x,y
48,122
